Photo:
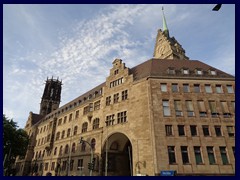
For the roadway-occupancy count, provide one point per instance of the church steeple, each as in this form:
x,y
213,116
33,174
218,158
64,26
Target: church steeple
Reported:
x,y
167,47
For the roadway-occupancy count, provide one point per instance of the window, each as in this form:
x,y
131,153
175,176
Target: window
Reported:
x,y
208,88
59,123
218,130
90,107
226,112
185,71
60,150
46,167
109,120
233,105
115,98
84,127
174,87
97,105
66,149
55,151
231,131
171,154
80,164
233,149
197,88
64,165
57,136
122,117
116,72
213,108
198,155
213,72
184,151
211,156
199,72
77,114
70,118
163,87
73,148
53,166
108,100
181,131
65,120
189,106
116,82
96,123
230,89
93,143
63,134
83,147
75,130
124,95
71,164
178,108
171,71
193,129
68,132
219,89
202,109
166,108
205,130
224,155
85,110
186,88
168,129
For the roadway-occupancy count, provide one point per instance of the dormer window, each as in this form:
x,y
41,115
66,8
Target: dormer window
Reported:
x,y
116,72
185,71
171,71
199,72
213,72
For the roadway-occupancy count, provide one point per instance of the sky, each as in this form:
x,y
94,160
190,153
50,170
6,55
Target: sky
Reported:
x,y
77,43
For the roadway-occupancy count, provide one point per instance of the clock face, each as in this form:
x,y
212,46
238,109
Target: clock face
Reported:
x,y
161,49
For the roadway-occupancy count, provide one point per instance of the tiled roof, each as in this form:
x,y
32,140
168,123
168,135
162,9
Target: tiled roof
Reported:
x,y
36,118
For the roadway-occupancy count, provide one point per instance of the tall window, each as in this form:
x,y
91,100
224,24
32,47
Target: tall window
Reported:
x,y
122,117
53,166
198,155
124,95
68,132
83,147
166,108
65,120
230,89
223,153
73,148
163,87
218,130
186,88
71,164
233,105
178,108
70,117
59,123
96,123
84,127
205,130
64,165
171,154
211,156
213,108
193,129
197,88
60,150
77,114
225,109
233,149
231,131
115,98
108,100
66,149
202,109
208,88
75,130
175,88
168,129
57,136
181,131
80,164
63,134
93,143
97,105
184,151
219,88
189,106
55,151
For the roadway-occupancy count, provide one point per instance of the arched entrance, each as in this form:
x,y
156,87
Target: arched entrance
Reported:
x,y
117,152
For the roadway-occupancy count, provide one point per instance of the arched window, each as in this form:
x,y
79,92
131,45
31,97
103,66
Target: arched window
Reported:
x,y
57,136
96,123
63,134
39,155
75,130
43,153
68,132
83,147
93,143
66,149
36,156
84,127
73,148
55,151
60,150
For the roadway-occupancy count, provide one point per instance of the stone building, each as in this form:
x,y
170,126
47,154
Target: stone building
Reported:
x,y
167,114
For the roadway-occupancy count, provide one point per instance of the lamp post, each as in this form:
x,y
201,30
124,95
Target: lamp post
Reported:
x,y
91,158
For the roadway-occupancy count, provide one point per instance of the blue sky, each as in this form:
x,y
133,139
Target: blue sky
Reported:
x,y
78,44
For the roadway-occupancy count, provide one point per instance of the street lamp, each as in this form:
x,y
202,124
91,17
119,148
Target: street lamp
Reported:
x,y
91,158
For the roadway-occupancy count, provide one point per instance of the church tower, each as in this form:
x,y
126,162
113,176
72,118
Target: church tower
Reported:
x,y
51,96
167,47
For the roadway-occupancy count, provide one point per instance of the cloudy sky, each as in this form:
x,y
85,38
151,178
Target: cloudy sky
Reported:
x,y
78,44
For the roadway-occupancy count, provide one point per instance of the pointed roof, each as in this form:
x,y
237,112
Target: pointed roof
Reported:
x,y
165,28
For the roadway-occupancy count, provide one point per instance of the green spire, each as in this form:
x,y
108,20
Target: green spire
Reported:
x,y
165,28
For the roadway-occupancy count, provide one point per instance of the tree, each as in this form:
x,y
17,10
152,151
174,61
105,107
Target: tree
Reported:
x,y
15,141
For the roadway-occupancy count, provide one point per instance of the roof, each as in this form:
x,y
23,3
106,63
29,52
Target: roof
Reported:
x,y
36,118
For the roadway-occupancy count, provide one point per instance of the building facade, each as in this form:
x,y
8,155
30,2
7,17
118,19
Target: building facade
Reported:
x,y
167,114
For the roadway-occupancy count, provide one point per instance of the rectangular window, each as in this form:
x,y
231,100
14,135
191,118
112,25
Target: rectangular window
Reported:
x,y
181,131
218,130
186,88
70,117
80,164
213,108
231,131
189,106
184,151
230,89
208,88
124,95
77,114
219,88
122,117
166,108
171,155
109,120
164,87
65,120
233,149
85,110
108,100
71,164
224,155
197,88
211,156
202,109
185,71
115,98
97,105
199,72
168,129
198,155
59,122
212,72
174,87
178,108
225,109
193,129
205,130
64,165
53,166
46,166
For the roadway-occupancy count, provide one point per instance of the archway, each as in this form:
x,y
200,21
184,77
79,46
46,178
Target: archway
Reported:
x,y
117,152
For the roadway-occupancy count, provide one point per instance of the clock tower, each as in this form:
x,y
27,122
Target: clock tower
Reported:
x,y
167,47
